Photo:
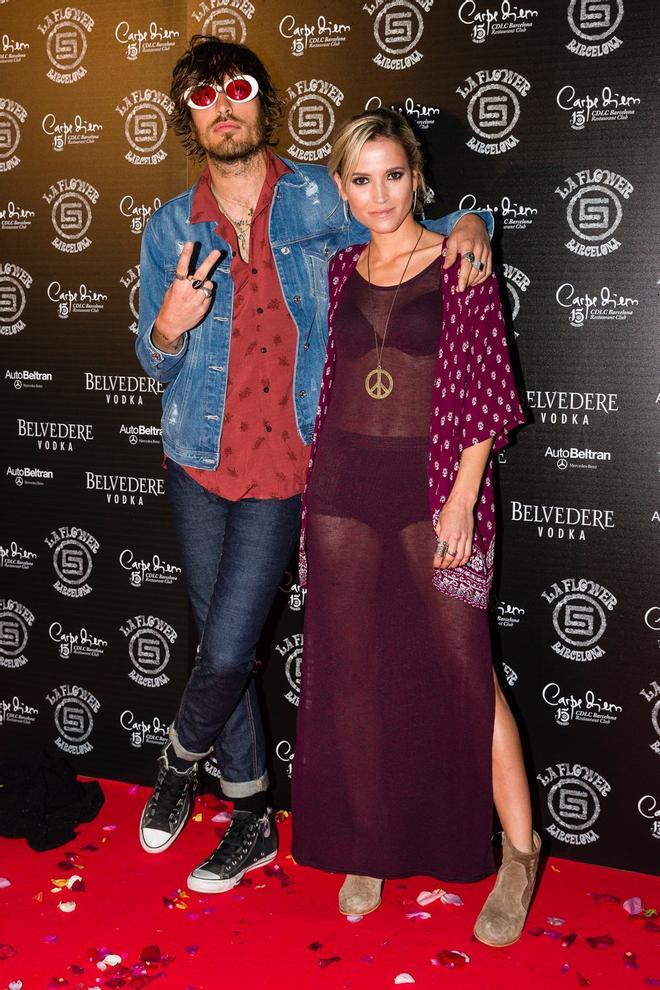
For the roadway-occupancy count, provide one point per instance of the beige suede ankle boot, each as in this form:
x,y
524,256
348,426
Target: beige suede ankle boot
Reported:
x,y
359,895
503,915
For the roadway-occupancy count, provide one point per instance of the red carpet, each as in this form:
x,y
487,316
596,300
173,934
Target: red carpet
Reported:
x,y
132,925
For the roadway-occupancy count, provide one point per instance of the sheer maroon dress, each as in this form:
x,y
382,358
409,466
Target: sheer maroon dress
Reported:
x,y
392,773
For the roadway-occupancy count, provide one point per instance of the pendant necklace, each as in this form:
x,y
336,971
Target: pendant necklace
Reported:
x,y
242,228
379,382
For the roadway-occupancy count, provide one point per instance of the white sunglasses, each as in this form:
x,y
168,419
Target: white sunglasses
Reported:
x,y
240,89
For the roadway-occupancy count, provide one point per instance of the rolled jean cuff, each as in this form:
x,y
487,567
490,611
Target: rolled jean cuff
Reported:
x,y
244,788
181,751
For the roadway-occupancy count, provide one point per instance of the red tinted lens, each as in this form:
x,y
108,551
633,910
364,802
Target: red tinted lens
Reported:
x,y
238,90
203,96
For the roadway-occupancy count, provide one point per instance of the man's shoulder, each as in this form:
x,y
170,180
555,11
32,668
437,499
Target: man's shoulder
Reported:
x,y
305,173
176,208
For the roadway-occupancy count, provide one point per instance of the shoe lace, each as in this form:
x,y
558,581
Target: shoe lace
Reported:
x,y
170,793
236,841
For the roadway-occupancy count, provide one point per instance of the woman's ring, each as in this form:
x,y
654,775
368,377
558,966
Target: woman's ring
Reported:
x,y
450,554
469,256
442,548
479,265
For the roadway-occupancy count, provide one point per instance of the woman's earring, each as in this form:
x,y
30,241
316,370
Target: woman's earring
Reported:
x,y
347,211
414,205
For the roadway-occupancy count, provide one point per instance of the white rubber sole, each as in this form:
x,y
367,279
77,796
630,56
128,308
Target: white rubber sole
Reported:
x,y
168,842
202,886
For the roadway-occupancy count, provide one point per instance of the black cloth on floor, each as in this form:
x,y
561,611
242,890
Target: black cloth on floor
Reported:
x,y
43,802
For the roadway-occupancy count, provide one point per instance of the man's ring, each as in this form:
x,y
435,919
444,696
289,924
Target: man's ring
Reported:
x,y
479,265
207,292
181,278
442,548
197,283
469,256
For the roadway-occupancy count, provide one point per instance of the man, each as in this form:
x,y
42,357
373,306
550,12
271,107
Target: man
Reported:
x,y
239,336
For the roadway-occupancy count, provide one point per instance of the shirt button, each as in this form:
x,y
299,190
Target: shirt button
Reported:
x,y
297,299
263,349
285,250
305,347
259,309
269,429
302,393
266,388
254,271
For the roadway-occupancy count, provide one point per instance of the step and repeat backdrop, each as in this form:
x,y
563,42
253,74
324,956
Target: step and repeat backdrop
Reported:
x,y
542,113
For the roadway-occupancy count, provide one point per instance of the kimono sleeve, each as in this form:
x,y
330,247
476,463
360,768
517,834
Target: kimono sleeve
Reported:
x,y
491,407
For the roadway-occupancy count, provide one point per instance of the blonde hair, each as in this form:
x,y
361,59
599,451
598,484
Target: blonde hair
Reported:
x,y
354,134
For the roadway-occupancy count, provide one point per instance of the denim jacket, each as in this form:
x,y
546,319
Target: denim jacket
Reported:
x,y
307,227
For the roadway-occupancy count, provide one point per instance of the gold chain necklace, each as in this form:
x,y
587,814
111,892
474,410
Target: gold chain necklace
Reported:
x,y
379,382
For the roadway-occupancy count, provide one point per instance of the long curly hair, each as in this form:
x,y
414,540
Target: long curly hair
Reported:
x,y
207,59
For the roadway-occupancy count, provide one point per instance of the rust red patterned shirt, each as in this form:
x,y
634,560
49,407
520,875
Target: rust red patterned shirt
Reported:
x,y
261,452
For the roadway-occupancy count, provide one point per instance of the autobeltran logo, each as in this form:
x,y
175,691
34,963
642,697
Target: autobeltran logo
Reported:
x,y
574,793
25,378
143,40
82,300
70,132
226,20
594,23
13,710
16,557
76,642
12,50
140,433
150,641
493,108
144,113
321,33
651,693
398,28
517,283
15,623
15,217
71,202
595,306
54,436
310,116
579,617
144,732
154,570
594,209
587,707
66,31
488,20
423,115
131,282
514,216
649,808
593,108
557,407
28,475
562,522
291,650
123,390
577,457
14,283
74,550
12,115
124,489
137,214
74,708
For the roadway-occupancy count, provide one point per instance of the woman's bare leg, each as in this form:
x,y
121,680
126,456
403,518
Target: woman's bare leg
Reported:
x,y
510,787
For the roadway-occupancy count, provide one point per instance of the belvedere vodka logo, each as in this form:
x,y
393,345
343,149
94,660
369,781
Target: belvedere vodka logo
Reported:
x,y
284,752
562,408
310,117
579,617
594,23
592,108
149,640
15,623
131,282
574,793
594,209
15,217
224,19
12,115
588,707
291,650
70,132
143,40
144,113
421,114
123,489
142,732
49,435
137,213
12,50
398,27
123,390
14,283
74,550
153,571
74,708
562,522
321,33
493,108
23,378
649,808
13,710
514,216
71,202
651,693
29,475
66,31
76,643
493,19
598,305
73,302
16,557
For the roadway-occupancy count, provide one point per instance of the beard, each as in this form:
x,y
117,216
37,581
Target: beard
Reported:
x,y
235,147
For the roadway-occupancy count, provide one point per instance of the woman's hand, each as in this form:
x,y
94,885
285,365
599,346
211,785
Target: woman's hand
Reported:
x,y
470,235
455,527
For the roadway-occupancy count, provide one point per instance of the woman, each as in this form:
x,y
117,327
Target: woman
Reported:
x,y
404,738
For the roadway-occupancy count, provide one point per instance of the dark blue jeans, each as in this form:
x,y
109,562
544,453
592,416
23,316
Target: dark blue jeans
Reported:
x,y
233,555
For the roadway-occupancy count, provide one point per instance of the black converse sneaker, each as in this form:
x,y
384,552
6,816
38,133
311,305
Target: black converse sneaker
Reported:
x,y
248,843
167,810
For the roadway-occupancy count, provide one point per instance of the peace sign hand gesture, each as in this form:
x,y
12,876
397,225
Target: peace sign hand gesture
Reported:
x,y
186,301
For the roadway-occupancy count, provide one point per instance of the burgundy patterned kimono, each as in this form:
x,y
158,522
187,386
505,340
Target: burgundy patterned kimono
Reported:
x,y
392,775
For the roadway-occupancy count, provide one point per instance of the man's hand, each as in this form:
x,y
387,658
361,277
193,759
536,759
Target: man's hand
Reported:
x,y
185,303
470,234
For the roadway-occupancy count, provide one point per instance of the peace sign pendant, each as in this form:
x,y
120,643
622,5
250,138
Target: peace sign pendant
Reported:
x,y
379,383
